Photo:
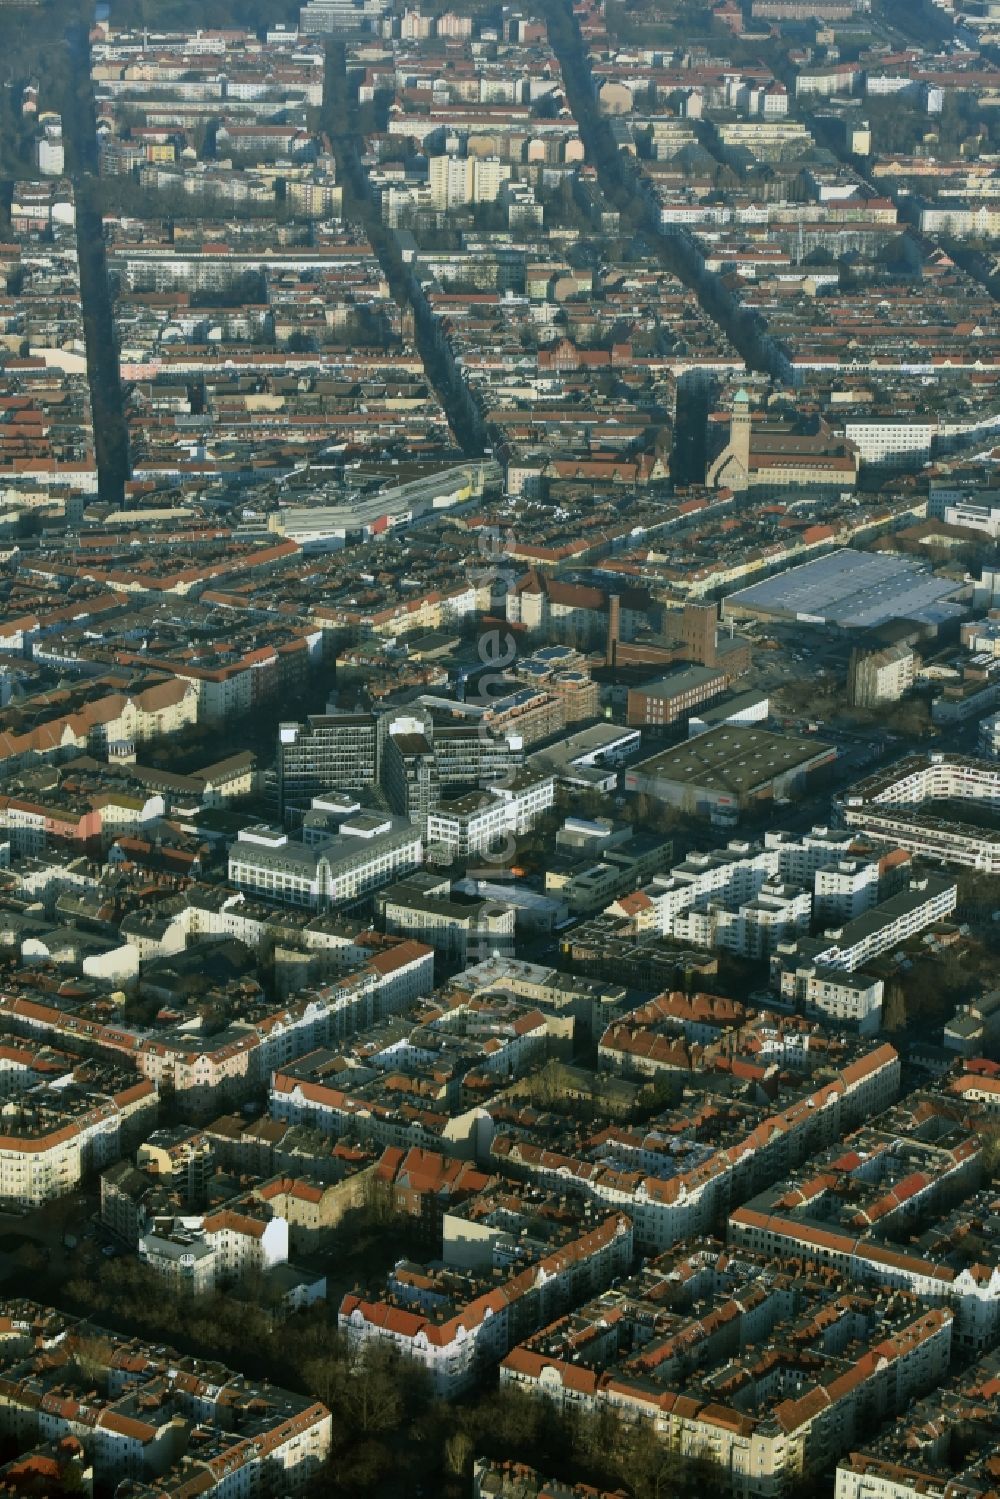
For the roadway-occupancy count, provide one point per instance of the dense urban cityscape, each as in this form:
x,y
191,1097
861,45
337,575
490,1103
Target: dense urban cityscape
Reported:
x,y
500,749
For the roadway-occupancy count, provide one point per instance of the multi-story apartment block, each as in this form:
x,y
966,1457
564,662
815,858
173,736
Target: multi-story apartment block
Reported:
x,y
168,1423
53,1137
203,1253
766,140
795,1409
946,1444
667,1208
701,899
850,999
458,1337
879,1212
889,805
462,929
880,676
203,1074
180,1155
845,888
453,1058
456,181
848,947
753,928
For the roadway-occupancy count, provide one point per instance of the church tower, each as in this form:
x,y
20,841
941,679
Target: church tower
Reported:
x,y
739,431
731,470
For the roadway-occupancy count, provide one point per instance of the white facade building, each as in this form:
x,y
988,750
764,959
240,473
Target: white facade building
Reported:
x,y
753,929
454,1352
889,805
735,876
370,850
892,443
878,931
487,821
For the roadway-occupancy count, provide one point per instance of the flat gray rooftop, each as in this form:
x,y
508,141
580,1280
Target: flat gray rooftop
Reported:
x,y
856,590
732,758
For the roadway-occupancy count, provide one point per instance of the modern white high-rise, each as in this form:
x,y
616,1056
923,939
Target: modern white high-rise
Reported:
x,y
456,181
50,153
450,178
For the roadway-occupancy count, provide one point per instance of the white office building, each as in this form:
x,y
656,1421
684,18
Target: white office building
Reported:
x,y
485,822
370,850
